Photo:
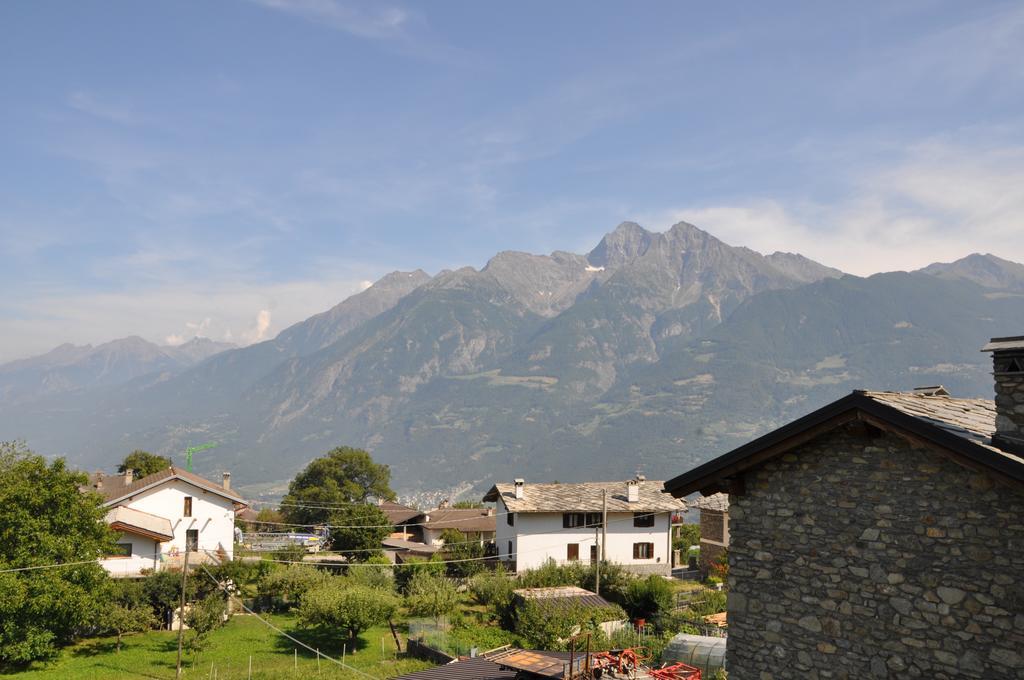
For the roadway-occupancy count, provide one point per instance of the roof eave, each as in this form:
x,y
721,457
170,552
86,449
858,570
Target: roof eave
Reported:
x,y
710,475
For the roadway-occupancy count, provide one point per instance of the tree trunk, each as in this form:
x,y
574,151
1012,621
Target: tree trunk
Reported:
x,y
119,642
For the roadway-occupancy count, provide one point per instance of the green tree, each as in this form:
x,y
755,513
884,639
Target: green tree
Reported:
x,y
350,607
162,590
359,528
46,520
122,619
465,555
376,572
468,505
143,463
202,618
687,535
291,582
405,572
431,595
342,477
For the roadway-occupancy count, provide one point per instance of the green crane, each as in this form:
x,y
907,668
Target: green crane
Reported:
x,y
193,449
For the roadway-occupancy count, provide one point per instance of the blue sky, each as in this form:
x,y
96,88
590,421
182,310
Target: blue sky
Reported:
x,y
230,168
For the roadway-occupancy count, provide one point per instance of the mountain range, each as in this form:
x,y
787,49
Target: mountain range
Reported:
x,y
652,352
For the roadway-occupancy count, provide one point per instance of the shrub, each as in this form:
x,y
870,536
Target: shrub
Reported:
x,y
689,535
543,626
709,602
646,598
492,588
405,572
202,618
375,576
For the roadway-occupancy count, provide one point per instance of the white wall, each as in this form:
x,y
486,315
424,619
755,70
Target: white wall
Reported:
x,y
212,515
145,555
538,537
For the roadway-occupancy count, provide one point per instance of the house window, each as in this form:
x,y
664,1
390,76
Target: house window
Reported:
x,y
572,552
593,554
643,519
188,506
510,549
121,550
643,551
573,520
192,540
510,518
593,519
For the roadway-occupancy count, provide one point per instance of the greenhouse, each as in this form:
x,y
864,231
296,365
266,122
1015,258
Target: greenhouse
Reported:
x,y
705,653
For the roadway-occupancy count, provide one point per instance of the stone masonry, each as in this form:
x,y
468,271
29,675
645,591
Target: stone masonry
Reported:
x,y
1010,406
857,555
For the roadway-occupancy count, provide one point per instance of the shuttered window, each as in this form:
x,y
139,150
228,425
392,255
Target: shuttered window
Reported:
x,y
643,551
572,552
188,507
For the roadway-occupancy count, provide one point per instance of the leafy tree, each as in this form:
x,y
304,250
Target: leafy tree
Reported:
x,y
359,528
431,595
546,626
46,520
267,519
292,581
405,572
468,505
689,534
374,576
143,463
350,607
464,555
122,619
342,477
162,590
202,618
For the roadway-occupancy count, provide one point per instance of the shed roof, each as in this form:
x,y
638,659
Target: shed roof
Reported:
x,y
113,489
398,513
463,519
563,596
584,497
961,427
480,668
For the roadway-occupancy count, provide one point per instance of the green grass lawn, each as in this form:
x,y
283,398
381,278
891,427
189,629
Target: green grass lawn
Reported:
x,y
153,655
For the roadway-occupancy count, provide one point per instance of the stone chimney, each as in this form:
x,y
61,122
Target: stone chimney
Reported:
x,y
129,477
1008,371
520,483
633,491
227,481
99,481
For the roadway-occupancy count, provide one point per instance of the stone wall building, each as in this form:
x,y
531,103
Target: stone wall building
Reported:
x,y
880,536
714,529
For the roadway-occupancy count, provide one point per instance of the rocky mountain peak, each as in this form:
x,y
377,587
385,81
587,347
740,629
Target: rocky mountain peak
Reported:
x,y
628,241
985,270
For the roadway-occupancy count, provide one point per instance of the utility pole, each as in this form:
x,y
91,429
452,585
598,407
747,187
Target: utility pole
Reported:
x,y
181,611
604,538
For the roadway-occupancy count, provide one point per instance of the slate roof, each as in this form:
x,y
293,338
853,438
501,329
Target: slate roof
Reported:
x,y
963,427
463,519
584,497
716,502
113,489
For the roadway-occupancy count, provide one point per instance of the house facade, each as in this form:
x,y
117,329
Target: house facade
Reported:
x,y
564,523
163,514
880,536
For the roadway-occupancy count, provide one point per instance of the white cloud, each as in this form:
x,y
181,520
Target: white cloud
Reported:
x,y
942,202
259,330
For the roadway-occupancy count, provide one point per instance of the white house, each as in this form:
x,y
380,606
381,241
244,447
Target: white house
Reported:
x,y
162,514
538,523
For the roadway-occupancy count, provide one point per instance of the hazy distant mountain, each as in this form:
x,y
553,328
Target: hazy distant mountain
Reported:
x,y
654,350
985,270
70,368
